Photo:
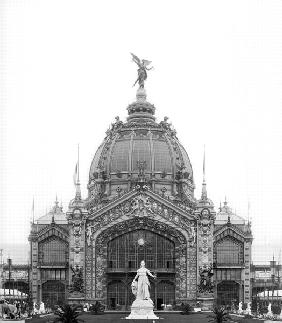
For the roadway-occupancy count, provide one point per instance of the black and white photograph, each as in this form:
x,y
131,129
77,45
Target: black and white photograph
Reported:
x,y
141,161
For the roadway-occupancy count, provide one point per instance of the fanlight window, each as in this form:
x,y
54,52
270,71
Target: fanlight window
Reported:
x,y
229,252
53,251
127,251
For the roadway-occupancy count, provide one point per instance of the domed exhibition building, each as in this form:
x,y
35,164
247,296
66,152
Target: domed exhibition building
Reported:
x,y
141,206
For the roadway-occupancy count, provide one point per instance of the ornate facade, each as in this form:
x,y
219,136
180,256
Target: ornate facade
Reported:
x,y
140,206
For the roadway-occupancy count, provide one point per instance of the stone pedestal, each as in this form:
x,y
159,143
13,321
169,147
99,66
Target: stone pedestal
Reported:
x,y
142,309
207,301
76,298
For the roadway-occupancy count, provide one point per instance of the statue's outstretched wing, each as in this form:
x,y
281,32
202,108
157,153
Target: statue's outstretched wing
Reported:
x,y
135,59
145,62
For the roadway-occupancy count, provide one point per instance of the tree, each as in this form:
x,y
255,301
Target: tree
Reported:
x,y
68,314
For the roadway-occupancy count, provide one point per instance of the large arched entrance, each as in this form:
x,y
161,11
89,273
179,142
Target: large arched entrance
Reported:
x,y
53,293
124,254
227,293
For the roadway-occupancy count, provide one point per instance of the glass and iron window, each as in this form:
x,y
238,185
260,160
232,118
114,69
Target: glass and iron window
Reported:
x,y
120,156
228,274
227,293
127,251
162,156
53,293
229,252
53,274
120,296
53,251
141,152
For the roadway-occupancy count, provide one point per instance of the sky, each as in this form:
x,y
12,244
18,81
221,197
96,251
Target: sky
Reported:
x,y
66,72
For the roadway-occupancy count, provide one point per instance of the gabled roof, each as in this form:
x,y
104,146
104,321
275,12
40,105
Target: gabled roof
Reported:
x,y
226,214
56,213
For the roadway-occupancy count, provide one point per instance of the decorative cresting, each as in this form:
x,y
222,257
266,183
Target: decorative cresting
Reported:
x,y
96,257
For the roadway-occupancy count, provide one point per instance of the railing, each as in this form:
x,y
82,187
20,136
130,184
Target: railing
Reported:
x,y
134,270
53,264
228,265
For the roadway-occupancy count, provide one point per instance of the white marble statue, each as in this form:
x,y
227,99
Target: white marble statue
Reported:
x,y
248,310
240,308
143,306
42,308
269,310
143,284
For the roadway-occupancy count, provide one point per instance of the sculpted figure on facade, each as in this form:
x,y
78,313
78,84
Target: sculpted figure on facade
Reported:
x,y
206,285
77,279
192,233
89,232
142,70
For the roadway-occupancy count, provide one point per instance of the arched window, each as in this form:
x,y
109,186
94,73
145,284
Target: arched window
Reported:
x,y
229,252
127,251
53,251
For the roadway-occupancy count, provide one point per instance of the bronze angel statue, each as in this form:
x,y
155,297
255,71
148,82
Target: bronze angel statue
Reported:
x,y
142,70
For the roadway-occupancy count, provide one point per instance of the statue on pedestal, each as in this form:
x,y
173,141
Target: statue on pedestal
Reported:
x,y
240,310
269,310
142,70
142,307
141,287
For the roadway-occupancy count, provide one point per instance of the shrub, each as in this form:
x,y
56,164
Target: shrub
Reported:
x,y
219,315
186,309
68,314
276,309
263,309
254,306
97,308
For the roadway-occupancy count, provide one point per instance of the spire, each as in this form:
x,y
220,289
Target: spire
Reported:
x,y
56,201
77,181
32,210
249,212
204,188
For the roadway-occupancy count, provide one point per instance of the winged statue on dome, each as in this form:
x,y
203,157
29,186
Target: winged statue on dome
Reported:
x,y
142,70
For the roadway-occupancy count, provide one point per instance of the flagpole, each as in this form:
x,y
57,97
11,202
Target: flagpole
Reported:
x,y
204,165
78,163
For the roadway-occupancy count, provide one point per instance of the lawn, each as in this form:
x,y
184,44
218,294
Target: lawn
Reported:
x,y
119,318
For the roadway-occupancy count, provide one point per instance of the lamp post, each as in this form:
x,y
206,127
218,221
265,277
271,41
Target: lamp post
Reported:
x,y
1,268
9,268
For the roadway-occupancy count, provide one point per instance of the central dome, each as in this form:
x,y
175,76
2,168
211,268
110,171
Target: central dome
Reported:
x,y
143,148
